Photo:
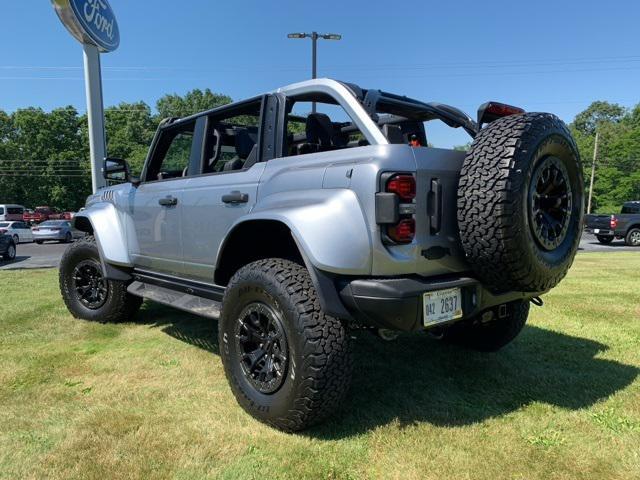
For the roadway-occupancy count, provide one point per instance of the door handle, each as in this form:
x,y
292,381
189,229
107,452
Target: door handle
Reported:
x,y
235,197
168,201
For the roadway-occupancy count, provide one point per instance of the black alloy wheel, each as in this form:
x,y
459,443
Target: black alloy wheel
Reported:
x,y
262,344
549,203
89,284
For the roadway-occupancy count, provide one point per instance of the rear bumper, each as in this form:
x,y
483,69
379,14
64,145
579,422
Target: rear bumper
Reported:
x,y
396,303
47,237
600,231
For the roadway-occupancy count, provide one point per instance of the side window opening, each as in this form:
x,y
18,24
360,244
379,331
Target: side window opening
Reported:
x,y
172,154
330,128
232,142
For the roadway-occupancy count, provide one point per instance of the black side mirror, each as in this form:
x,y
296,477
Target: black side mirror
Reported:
x,y
116,169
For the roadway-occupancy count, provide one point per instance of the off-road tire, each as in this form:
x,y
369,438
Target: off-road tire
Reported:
x,y
632,237
119,306
11,252
318,367
496,226
490,336
605,239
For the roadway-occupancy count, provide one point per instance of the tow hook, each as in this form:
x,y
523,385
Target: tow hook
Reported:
x,y
537,301
387,335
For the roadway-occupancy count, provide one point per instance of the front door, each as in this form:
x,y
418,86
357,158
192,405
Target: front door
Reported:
x,y
155,206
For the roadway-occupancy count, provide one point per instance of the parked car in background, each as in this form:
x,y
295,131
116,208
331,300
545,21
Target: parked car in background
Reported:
x,y
7,247
19,231
625,224
55,230
11,212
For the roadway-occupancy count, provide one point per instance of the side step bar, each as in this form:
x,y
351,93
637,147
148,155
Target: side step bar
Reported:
x,y
182,301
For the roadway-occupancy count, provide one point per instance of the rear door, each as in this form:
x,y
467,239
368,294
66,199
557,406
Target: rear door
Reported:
x,y
226,185
155,206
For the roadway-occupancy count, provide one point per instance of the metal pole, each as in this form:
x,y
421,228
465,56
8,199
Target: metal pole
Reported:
x,y
314,57
593,171
95,114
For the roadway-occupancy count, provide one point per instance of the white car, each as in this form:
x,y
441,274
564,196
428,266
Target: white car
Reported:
x,y
20,231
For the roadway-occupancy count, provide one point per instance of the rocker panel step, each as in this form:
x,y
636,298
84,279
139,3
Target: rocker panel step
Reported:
x,y
182,301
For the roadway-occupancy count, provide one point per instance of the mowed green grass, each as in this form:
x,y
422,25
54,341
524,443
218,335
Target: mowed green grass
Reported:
x,y
149,399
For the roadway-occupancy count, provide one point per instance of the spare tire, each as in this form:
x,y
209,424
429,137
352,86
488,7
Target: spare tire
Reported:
x,y
520,203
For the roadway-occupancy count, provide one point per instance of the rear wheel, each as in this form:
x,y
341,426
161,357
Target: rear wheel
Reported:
x,y
520,202
87,294
492,335
605,239
633,237
68,238
39,242
16,239
287,362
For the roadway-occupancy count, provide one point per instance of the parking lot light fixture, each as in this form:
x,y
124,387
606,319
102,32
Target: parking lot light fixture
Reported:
x,y
314,36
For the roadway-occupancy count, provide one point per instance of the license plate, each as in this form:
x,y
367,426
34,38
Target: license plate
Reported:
x,y
441,306
596,230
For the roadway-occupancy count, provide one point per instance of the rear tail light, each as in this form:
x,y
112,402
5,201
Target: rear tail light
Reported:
x,y
402,185
403,231
613,222
395,208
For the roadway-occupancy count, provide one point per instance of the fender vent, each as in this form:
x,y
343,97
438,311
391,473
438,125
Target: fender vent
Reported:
x,y
107,196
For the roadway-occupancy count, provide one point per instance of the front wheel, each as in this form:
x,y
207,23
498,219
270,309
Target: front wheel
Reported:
x,y
605,239
68,238
287,362
87,294
490,336
633,237
16,239
11,252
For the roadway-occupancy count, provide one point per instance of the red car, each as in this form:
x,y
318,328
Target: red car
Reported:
x,y
42,214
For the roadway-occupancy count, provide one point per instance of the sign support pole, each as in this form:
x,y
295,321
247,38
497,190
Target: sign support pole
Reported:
x,y
95,114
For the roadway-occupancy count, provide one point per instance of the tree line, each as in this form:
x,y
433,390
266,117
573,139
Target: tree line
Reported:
x,y
44,156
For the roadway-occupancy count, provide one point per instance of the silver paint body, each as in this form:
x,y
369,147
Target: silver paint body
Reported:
x,y
326,199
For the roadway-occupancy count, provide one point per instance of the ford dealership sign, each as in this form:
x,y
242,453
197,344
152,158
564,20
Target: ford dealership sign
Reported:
x,y
90,21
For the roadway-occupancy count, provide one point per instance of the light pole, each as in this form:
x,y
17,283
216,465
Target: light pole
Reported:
x,y
314,36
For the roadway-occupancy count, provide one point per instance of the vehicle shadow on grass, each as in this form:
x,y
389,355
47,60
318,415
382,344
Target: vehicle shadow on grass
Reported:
x,y
191,329
418,379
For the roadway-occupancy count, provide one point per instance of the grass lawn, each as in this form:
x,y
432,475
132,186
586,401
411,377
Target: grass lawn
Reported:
x,y
149,399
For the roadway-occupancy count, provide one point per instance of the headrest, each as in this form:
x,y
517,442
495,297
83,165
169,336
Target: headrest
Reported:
x,y
245,141
319,129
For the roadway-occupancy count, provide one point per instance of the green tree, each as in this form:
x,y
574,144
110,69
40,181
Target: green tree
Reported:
x,y
193,102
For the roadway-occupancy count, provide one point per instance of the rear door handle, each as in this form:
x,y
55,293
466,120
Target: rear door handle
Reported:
x,y
168,201
235,197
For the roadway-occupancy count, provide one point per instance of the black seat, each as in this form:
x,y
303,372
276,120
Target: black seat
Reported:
x,y
321,134
245,143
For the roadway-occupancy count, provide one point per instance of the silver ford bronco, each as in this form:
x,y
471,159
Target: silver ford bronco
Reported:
x,y
292,229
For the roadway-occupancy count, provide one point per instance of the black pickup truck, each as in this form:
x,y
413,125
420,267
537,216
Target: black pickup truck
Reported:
x,y
625,225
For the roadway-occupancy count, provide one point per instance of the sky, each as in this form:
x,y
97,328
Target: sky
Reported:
x,y
556,56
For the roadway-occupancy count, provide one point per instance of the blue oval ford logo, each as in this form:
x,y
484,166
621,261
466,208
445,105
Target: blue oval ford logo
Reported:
x,y
90,21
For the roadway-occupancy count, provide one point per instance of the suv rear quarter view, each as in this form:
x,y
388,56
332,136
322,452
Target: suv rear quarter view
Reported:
x,y
292,228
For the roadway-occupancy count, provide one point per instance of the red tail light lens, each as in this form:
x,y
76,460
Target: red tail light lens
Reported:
x,y
402,185
403,231
613,222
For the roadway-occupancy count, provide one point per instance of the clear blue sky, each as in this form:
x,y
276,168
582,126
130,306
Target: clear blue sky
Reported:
x,y
555,56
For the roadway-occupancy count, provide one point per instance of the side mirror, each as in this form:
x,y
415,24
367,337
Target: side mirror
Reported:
x,y
116,169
